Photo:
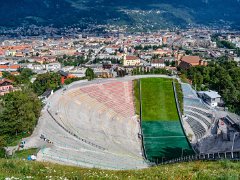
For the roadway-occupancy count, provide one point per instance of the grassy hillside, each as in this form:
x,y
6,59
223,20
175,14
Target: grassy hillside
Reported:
x,y
158,100
192,170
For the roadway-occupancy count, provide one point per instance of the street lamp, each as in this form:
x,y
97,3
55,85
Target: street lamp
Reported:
x,y
182,153
162,159
233,142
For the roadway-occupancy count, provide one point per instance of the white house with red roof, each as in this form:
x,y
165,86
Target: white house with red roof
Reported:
x,y
6,86
9,68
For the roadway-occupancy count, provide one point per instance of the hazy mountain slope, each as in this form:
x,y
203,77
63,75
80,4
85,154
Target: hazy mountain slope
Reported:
x,y
83,12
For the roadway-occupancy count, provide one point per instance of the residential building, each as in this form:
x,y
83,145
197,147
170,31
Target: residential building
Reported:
x,y
36,67
111,49
158,63
9,68
53,67
6,86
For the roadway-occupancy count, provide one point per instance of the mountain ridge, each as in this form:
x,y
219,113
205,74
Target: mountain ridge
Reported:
x,y
163,13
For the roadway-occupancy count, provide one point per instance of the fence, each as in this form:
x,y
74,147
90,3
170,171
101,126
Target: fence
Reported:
x,y
235,156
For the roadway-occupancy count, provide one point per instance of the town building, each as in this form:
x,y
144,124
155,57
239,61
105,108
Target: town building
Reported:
x,y
131,61
6,86
158,63
64,76
187,62
112,49
234,120
53,66
9,68
212,98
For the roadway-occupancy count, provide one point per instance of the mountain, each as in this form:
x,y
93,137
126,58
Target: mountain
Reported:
x,y
135,13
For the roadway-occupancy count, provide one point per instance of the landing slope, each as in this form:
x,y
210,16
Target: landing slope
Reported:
x,y
158,99
163,136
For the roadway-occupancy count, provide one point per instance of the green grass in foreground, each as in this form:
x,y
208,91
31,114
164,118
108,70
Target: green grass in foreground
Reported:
x,y
23,154
158,101
192,170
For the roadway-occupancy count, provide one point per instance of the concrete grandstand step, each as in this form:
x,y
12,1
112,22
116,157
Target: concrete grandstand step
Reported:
x,y
202,119
196,126
77,114
199,110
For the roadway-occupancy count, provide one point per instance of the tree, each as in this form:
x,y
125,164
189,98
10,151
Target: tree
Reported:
x,y
70,80
46,81
173,63
20,112
26,72
71,60
167,63
238,52
89,74
25,75
2,145
23,78
189,52
2,142
7,75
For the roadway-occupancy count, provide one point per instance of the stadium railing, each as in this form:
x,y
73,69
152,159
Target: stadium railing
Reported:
x,y
235,156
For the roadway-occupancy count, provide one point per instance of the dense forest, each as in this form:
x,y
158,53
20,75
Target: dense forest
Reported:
x,y
46,81
19,114
20,110
221,76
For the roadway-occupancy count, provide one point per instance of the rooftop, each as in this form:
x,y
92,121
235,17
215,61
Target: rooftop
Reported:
x,y
5,80
160,61
63,73
191,59
132,58
212,94
235,119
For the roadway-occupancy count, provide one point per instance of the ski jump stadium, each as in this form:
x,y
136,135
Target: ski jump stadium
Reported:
x,y
112,124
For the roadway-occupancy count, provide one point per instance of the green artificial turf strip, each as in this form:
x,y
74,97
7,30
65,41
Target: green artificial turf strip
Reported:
x,y
136,96
158,101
